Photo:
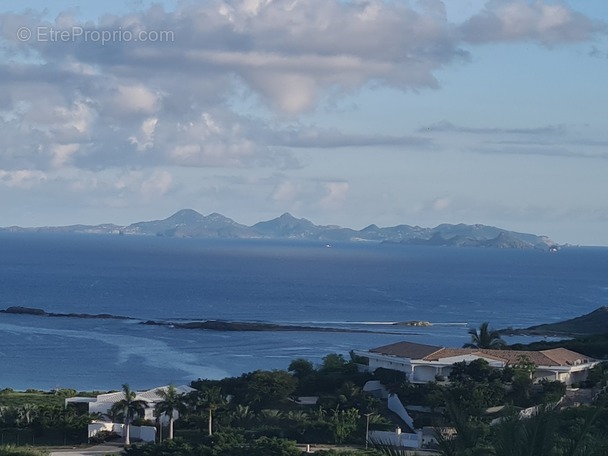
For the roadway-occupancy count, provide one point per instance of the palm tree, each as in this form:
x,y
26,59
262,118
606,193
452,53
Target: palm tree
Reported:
x,y
210,399
467,438
484,337
542,434
242,416
171,402
128,407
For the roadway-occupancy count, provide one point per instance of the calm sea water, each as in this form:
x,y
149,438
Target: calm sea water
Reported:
x,y
361,286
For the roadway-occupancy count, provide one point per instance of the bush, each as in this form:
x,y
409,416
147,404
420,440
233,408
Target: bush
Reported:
x,y
10,450
104,436
389,376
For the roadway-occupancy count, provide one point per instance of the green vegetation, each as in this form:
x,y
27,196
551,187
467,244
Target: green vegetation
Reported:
x,y
171,403
10,398
484,337
39,418
10,450
258,413
128,408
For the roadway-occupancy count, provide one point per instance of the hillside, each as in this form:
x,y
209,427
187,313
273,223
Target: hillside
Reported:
x,y
593,323
190,223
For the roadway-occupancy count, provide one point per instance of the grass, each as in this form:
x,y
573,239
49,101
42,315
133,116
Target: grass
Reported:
x,y
9,450
39,398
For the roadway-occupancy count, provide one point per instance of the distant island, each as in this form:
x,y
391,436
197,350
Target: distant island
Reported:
x,y
188,223
209,325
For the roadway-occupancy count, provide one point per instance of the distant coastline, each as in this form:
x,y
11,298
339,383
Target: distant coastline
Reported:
x,y
188,223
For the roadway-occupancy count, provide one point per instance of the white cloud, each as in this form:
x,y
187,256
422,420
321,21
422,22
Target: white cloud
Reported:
x,y
136,99
22,178
520,20
62,153
78,103
441,204
144,139
286,191
336,194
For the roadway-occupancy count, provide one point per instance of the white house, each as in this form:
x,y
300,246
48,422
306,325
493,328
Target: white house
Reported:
x,y
103,403
424,363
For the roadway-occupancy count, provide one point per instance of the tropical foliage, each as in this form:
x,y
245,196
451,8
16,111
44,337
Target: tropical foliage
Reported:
x,y
259,413
128,408
484,337
170,403
10,450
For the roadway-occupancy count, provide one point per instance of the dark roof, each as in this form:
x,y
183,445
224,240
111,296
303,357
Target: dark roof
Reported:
x,y
407,350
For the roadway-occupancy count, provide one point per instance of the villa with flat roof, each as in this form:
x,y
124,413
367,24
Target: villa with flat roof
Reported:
x,y
423,363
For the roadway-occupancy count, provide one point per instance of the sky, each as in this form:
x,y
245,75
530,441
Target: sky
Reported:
x,y
345,112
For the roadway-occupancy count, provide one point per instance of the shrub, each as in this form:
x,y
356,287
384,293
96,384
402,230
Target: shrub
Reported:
x,y
104,436
10,450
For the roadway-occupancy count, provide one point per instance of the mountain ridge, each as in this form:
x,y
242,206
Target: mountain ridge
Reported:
x,y
190,223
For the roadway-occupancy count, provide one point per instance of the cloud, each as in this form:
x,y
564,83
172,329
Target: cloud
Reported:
x,y
22,178
332,138
537,21
441,204
336,194
445,126
548,140
308,195
135,99
539,149
285,191
597,53
128,102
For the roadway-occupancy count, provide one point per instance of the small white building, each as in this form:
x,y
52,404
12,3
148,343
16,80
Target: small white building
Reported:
x,y
422,363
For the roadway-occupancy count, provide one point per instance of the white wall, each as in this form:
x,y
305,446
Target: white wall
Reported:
x,y
394,405
97,426
396,439
424,374
144,433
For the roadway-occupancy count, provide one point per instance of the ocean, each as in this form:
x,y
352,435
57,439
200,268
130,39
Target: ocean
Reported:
x,y
363,286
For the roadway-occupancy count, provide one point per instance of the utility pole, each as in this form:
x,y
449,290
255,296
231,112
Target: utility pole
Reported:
x,y
367,415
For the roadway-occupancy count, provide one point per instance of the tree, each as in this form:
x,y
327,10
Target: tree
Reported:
x,y
301,368
334,362
469,437
209,399
271,446
344,423
171,402
269,387
129,407
484,337
242,416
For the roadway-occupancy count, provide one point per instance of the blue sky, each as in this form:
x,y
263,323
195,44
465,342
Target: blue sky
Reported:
x,y
343,112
